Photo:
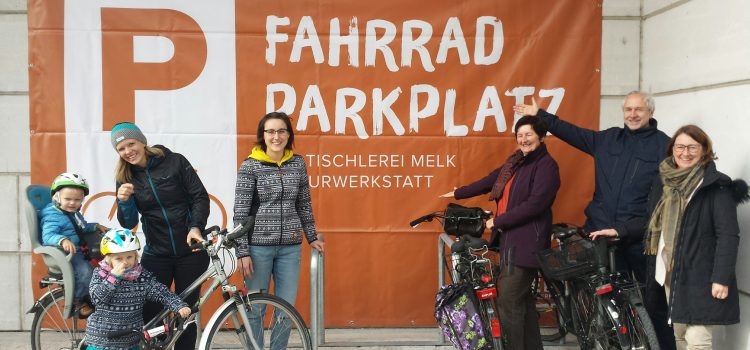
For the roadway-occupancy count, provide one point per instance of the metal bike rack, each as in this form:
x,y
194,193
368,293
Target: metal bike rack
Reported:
x,y
317,303
443,241
317,298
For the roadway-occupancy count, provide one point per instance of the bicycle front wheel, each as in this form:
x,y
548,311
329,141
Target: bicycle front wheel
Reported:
x,y
548,310
274,324
50,330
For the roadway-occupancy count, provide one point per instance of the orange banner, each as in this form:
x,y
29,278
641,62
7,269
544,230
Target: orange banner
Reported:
x,y
394,103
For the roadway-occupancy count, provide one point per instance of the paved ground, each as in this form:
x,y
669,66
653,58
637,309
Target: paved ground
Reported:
x,y
338,339
402,339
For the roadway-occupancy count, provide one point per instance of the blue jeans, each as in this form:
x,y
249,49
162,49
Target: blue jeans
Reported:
x,y
82,270
283,262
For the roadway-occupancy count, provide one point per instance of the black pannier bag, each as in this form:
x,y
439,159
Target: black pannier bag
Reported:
x,y
462,220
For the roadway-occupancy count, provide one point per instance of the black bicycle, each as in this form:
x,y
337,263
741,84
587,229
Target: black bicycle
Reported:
x,y
472,263
603,308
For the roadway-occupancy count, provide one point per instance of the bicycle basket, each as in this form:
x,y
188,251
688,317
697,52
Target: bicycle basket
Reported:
x,y
460,220
574,258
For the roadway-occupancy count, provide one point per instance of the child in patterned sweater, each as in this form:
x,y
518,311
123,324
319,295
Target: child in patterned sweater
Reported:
x,y
119,288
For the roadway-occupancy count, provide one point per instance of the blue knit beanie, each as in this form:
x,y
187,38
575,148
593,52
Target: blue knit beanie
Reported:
x,y
123,131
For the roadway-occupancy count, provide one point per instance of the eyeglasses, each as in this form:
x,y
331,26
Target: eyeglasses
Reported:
x,y
280,132
690,148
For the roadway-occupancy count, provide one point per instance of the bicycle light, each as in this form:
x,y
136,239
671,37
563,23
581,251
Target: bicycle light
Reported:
x,y
495,326
486,278
484,294
604,289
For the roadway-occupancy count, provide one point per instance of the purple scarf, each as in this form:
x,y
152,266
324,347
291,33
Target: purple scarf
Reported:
x,y
506,172
130,274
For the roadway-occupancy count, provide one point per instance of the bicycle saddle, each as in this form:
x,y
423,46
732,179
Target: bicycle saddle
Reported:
x,y
563,231
469,242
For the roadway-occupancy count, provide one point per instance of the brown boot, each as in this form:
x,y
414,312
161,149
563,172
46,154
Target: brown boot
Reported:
x,y
85,310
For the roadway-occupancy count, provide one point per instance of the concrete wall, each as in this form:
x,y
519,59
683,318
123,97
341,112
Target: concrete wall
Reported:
x,y
621,40
15,262
694,58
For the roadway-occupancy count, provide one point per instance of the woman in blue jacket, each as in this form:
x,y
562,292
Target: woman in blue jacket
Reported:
x,y
524,188
165,190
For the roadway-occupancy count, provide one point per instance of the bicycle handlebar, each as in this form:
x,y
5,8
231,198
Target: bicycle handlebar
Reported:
x,y
230,236
443,215
242,229
440,215
424,218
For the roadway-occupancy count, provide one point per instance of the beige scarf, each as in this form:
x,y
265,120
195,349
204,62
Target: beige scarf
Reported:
x,y
679,184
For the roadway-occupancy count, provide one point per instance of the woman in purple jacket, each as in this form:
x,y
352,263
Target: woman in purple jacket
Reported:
x,y
524,188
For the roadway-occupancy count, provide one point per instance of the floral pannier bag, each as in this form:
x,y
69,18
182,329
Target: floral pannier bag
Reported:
x,y
456,310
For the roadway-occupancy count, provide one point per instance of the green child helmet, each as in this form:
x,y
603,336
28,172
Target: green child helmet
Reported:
x,y
69,180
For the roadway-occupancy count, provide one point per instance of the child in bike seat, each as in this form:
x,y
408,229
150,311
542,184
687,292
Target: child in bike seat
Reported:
x,y
62,226
119,288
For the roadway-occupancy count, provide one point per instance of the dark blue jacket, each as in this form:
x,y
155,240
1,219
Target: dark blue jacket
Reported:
x,y
171,199
527,220
626,163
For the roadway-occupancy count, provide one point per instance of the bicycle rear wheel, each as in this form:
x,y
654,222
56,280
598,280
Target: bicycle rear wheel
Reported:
x,y
490,316
49,330
274,324
642,333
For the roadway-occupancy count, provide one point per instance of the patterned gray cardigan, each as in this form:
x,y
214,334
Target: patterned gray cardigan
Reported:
x,y
278,196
